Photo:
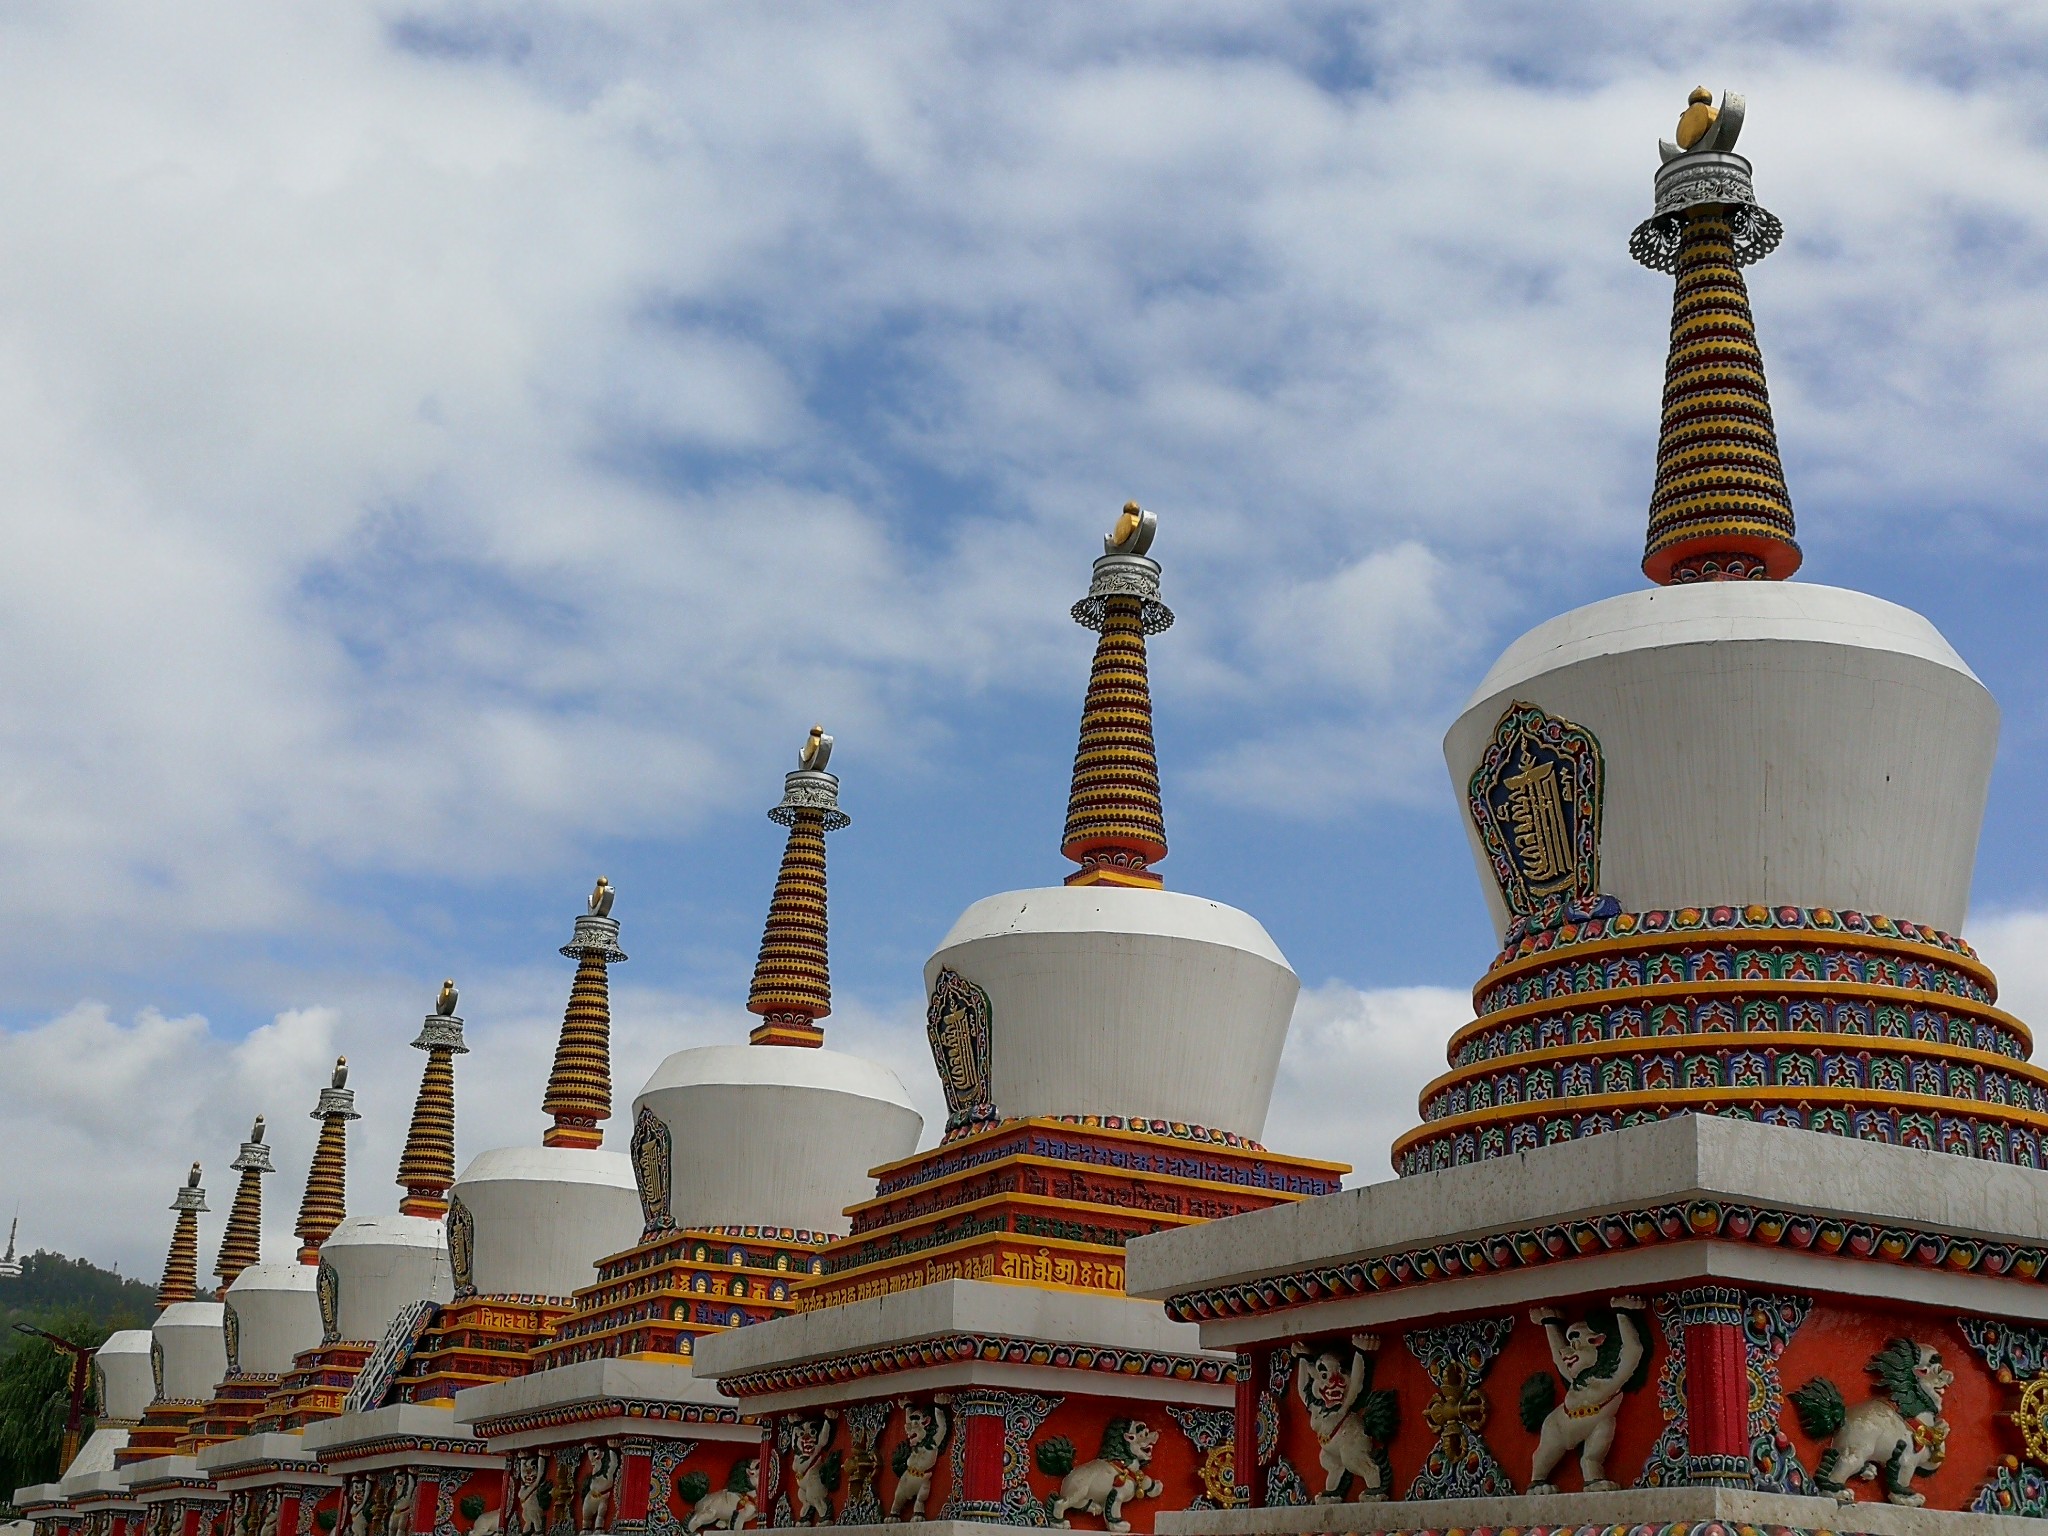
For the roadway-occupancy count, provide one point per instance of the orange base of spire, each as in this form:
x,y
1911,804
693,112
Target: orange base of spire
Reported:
x,y
432,1206
1106,874
786,1032
1780,557
561,1135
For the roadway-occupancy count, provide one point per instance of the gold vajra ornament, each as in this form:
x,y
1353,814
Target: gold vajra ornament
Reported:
x,y
2032,1418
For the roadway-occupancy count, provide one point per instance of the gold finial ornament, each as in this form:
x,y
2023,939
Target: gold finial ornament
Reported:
x,y
1133,533
1697,118
444,1005
579,1091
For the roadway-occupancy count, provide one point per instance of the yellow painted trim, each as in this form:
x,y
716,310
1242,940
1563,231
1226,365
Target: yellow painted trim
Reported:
x,y
1578,1002
1670,938
1045,1202
1641,1045
979,1240
1033,1160
1150,1138
1604,1103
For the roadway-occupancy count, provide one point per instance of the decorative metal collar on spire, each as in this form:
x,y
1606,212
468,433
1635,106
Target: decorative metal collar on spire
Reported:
x,y
427,1165
181,1264
579,1093
242,1243
1720,511
325,1202
1116,827
792,987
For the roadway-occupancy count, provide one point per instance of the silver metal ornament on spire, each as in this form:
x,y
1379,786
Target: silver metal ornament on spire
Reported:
x,y
1702,168
808,787
442,1028
255,1152
597,931
191,1197
1125,569
337,1098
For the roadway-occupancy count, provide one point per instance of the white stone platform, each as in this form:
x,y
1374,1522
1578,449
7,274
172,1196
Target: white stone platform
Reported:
x,y
949,1309
600,1397
1674,1161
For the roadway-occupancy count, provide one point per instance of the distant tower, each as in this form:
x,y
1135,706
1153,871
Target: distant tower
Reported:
x,y
427,1166
1116,829
792,987
324,1205
579,1092
181,1263
240,1244
10,1266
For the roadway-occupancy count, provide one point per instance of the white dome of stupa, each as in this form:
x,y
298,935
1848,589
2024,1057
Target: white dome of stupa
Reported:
x,y
1106,1000
275,1316
121,1368
776,1136
1754,749
379,1266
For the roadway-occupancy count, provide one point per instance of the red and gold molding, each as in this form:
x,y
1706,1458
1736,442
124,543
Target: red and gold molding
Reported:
x,y
315,1388
1046,1203
476,1340
659,1296
1838,1022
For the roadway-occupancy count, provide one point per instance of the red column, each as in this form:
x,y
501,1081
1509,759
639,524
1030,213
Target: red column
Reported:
x,y
426,1503
982,1458
1245,1453
636,1480
288,1515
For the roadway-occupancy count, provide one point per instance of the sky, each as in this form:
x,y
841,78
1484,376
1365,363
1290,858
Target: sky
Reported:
x,y
450,451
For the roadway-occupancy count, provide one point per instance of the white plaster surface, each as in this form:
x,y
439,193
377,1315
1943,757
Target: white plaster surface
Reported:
x,y
588,1381
125,1378
425,1421
951,1306
144,1476
278,1314
543,1216
273,1445
776,1135
1676,1159
94,1458
195,1349
1764,741
384,1263
1113,1001
1639,1506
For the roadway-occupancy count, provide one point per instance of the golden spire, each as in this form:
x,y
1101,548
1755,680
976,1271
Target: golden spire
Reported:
x,y
242,1244
579,1092
325,1200
427,1165
1116,828
1719,510
181,1264
792,987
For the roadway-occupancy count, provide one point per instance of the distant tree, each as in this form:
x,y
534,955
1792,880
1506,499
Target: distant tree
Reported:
x,y
35,1382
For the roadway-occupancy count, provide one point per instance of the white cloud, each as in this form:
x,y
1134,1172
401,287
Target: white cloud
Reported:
x,y
2015,945
1356,1062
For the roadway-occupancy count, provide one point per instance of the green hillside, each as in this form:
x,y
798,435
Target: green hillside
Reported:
x,y
78,1300
51,1288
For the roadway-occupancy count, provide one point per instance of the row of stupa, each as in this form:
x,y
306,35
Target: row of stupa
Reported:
x,y
1730,1210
